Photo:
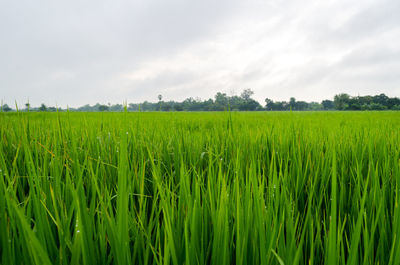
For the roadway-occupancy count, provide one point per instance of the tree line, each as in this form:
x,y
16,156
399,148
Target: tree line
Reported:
x,y
243,102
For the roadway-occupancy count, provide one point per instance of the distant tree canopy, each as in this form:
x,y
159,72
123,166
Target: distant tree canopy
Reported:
x,y
378,102
43,107
103,107
244,102
5,108
291,105
328,104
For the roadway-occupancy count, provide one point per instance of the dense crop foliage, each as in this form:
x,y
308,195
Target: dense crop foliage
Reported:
x,y
200,188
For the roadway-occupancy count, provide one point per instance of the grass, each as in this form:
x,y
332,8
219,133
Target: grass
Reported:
x,y
200,188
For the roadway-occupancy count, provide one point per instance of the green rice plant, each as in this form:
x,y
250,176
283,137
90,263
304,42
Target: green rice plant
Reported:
x,y
200,188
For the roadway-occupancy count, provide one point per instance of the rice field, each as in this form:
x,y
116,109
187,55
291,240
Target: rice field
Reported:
x,y
200,188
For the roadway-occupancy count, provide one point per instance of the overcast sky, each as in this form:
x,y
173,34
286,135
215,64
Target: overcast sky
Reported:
x,y
87,51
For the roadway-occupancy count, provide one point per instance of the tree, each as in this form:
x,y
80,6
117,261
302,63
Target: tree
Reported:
x,y
246,94
393,102
281,105
159,101
250,105
6,108
27,106
103,108
354,104
133,107
246,102
300,105
269,104
235,102
341,101
366,100
292,103
314,106
146,106
381,99
116,107
377,106
42,107
327,104
178,106
221,101
167,106
395,107
85,108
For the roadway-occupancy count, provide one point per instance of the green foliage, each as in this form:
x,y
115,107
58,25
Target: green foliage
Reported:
x,y
103,108
341,101
378,102
200,188
244,102
5,108
327,104
43,107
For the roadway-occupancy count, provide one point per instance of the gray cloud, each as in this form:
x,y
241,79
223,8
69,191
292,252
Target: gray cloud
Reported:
x,y
79,52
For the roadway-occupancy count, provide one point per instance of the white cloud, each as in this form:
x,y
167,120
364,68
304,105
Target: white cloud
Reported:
x,y
87,52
